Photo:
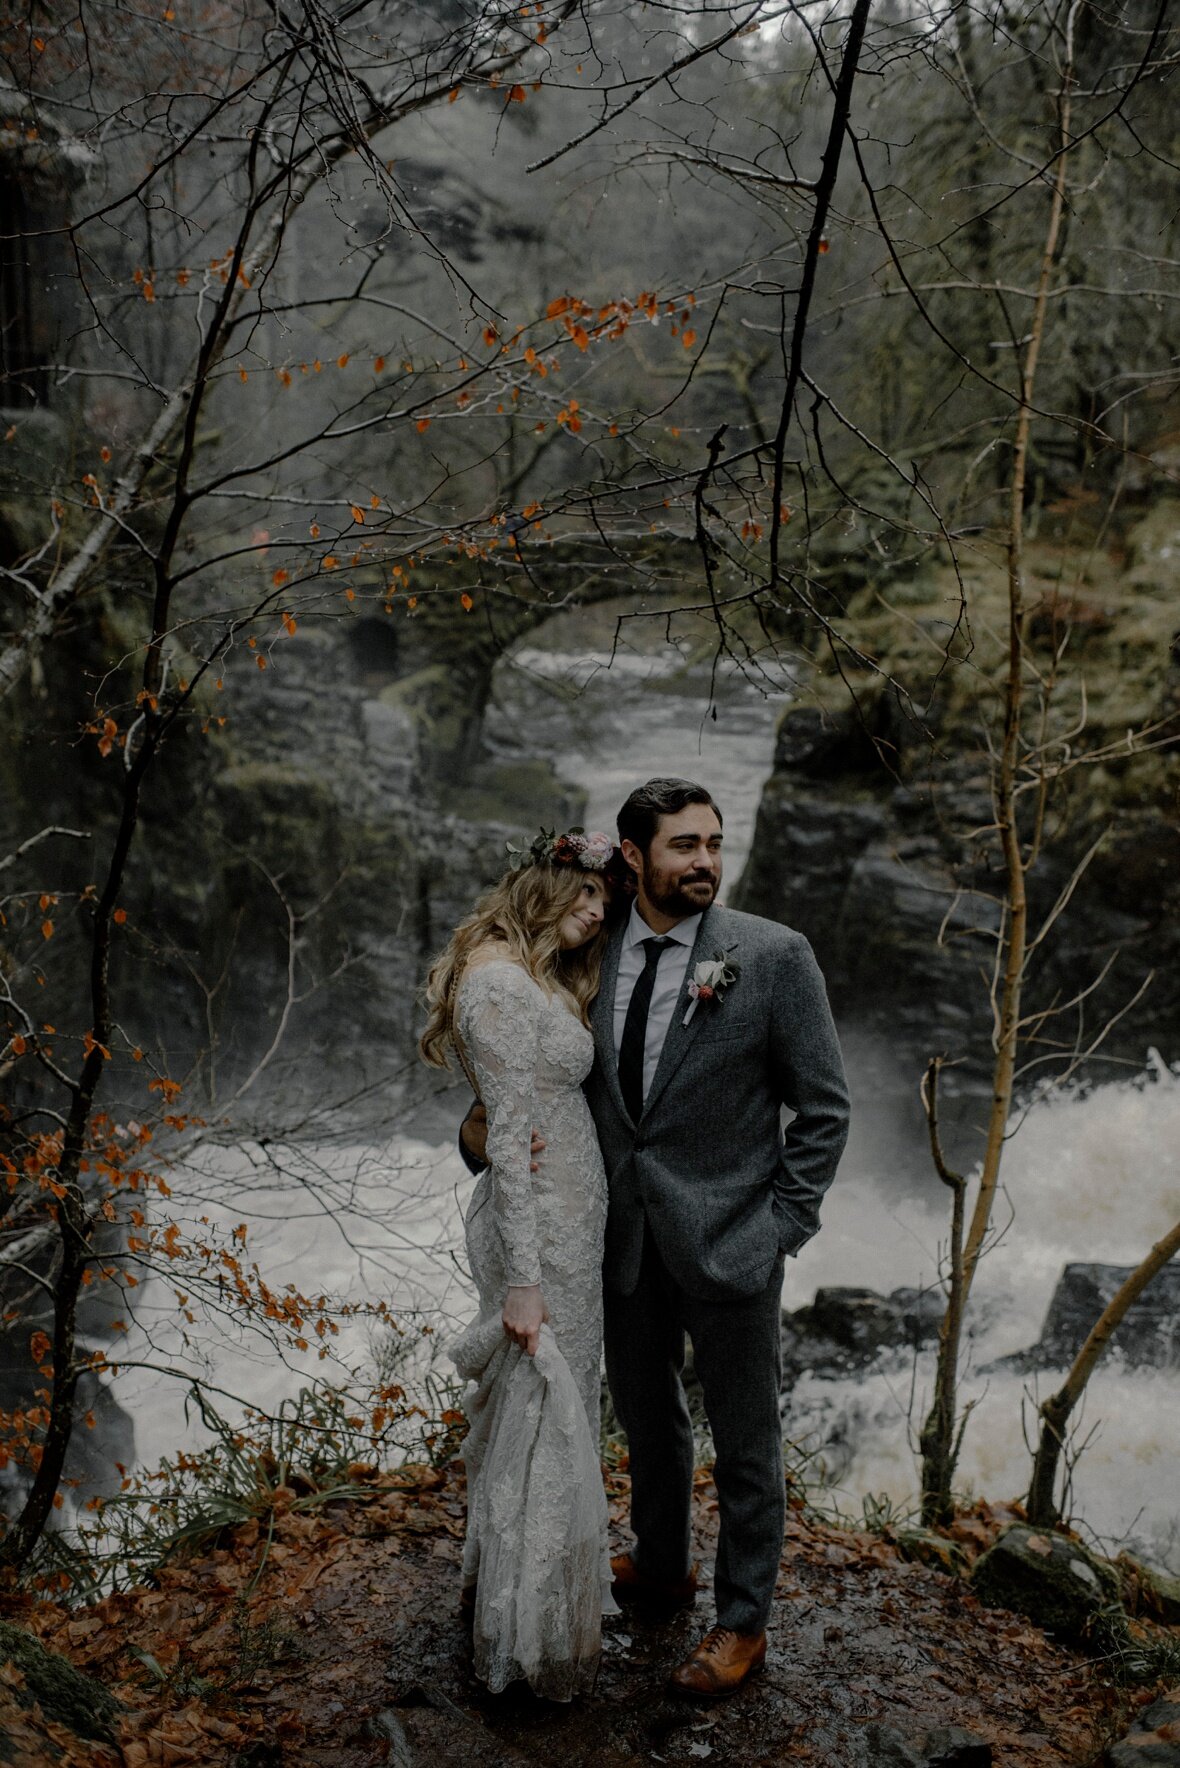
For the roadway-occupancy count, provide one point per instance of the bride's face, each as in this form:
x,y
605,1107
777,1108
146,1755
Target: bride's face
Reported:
x,y
585,917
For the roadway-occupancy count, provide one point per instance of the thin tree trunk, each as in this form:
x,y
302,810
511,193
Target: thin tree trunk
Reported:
x,y
1016,897
938,1443
1056,1409
74,1221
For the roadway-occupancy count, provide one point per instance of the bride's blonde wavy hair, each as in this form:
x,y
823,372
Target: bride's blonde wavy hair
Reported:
x,y
523,913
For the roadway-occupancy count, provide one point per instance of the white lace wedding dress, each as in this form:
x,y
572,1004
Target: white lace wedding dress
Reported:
x,y
536,1548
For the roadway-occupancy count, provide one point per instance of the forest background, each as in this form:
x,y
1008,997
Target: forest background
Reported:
x,y
346,350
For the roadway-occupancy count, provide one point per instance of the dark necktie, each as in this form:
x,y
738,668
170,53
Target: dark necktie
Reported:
x,y
634,1041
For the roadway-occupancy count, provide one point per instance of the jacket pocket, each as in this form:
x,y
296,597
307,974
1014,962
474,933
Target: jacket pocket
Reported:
x,y
791,1232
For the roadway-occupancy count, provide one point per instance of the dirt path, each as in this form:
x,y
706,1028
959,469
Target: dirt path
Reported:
x,y
345,1650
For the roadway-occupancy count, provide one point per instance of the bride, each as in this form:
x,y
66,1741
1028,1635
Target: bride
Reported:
x,y
510,996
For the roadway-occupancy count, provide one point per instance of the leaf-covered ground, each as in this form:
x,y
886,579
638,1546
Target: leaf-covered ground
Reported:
x,y
326,1635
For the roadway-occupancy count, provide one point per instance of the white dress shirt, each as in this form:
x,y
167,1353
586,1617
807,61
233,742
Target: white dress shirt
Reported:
x,y
669,978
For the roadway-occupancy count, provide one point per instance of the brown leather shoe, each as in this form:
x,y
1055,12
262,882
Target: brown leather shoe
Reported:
x,y
628,1586
720,1664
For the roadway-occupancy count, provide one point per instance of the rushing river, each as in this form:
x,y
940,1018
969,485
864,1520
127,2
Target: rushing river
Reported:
x,y
1090,1176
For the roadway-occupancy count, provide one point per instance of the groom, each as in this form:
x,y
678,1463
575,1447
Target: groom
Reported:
x,y
707,1195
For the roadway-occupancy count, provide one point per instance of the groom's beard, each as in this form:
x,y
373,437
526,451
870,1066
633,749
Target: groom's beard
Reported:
x,y
683,896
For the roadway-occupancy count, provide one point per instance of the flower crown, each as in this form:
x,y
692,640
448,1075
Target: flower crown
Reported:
x,y
593,852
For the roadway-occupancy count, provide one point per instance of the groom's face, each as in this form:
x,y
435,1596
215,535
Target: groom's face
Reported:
x,y
681,871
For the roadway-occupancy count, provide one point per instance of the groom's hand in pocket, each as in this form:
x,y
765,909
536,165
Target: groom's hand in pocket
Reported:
x,y
473,1133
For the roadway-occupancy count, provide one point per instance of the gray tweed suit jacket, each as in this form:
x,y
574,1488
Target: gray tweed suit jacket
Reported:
x,y
708,1167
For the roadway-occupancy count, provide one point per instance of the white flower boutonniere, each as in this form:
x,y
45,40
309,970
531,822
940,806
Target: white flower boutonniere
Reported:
x,y
709,981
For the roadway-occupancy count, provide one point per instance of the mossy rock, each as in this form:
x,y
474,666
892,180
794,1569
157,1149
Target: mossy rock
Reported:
x,y
62,1692
1164,1595
1055,1582
439,701
259,798
1154,557
520,793
925,1547
1148,1591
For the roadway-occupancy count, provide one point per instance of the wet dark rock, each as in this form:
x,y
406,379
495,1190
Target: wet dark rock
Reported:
x,y
1153,1591
845,1331
927,1547
1155,1740
823,748
63,1693
1148,1336
845,852
1053,1581
947,1746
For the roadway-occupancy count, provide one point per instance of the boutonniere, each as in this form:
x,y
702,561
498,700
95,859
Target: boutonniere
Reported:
x,y
709,981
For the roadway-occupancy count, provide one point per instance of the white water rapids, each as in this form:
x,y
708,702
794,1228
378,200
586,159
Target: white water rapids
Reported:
x,y
1090,1176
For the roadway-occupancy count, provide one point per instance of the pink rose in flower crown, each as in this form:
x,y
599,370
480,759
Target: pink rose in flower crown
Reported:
x,y
597,849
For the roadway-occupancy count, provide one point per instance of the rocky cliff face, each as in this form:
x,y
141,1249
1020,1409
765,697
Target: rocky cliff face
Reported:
x,y
866,837
329,817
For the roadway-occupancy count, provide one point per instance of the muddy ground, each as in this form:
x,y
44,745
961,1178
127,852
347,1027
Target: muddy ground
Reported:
x,y
326,1635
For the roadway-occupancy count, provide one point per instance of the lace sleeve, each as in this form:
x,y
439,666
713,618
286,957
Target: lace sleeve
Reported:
x,y
499,1016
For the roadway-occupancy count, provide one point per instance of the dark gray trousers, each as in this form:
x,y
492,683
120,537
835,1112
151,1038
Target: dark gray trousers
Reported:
x,y
738,1358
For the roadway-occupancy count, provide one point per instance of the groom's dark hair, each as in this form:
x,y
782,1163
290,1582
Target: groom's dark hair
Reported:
x,y
640,816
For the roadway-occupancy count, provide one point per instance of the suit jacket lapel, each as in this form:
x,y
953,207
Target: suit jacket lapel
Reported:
x,y
680,1036
602,1020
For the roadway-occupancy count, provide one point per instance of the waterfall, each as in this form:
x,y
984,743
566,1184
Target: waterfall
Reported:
x,y
1092,1174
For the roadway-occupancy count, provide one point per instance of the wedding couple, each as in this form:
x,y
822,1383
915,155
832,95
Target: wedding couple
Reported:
x,y
631,1045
